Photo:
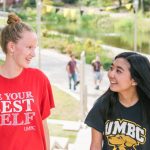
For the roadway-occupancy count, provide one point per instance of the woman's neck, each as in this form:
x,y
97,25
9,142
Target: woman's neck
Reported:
x,y
9,70
128,99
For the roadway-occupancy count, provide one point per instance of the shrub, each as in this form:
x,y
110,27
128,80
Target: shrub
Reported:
x,y
124,25
70,1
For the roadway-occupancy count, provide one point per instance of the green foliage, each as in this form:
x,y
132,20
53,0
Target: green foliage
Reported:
x,y
60,4
124,25
86,2
106,62
70,1
95,2
29,3
86,21
146,5
54,19
68,44
28,15
1,62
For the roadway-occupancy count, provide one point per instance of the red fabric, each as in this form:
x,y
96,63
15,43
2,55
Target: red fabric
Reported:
x,y
24,102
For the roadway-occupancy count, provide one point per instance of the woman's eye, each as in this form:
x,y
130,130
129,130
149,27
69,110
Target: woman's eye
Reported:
x,y
118,71
30,47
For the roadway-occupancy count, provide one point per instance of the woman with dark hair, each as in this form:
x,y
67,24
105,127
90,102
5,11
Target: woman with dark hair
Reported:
x,y
120,117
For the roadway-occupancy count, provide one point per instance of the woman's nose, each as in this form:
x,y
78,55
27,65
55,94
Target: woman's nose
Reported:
x,y
33,52
111,73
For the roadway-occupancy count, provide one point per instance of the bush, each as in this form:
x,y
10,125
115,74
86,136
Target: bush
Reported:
x,y
106,65
29,3
70,1
124,25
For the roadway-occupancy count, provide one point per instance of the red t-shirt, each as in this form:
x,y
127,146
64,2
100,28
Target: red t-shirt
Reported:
x,y
25,101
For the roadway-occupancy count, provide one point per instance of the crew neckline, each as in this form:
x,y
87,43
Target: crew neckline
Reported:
x,y
14,78
130,107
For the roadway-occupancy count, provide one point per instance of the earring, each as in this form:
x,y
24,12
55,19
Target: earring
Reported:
x,y
134,83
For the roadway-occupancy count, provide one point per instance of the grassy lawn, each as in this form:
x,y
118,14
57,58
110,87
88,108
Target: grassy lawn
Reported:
x,y
57,130
66,108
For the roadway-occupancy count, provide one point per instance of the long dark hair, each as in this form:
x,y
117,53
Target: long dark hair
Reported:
x,y
140,72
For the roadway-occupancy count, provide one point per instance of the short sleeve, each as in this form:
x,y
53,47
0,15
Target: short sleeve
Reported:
x,y
95,118
47,99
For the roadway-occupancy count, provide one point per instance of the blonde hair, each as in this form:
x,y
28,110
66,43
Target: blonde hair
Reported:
x,y
12,31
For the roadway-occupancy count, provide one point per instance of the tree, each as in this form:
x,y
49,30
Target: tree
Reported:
x,y
120,3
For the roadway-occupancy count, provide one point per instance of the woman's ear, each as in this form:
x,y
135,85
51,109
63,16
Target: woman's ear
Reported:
x,y
134,83
10,47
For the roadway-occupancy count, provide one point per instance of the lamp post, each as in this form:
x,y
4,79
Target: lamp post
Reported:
x,y
83,87
38,5
135,5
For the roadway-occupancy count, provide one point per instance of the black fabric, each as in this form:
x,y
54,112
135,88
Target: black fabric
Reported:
x,y
128,126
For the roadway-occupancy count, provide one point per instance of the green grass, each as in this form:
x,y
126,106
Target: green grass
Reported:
x,y
66,106
57,130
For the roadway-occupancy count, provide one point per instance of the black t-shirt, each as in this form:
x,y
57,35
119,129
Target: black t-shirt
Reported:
x,y
126,132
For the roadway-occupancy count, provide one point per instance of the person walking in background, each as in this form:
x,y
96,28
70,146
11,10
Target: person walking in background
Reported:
x,y
96,64
25,93
120,117
72,71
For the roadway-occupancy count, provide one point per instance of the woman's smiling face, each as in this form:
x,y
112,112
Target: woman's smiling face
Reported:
x,y
119,76
24,49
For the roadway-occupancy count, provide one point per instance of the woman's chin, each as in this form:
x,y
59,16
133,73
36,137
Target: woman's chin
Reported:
x,y
113,89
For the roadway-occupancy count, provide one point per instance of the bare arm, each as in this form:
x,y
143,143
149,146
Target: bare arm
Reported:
x,y
67,69
96,141
47,136
77,69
